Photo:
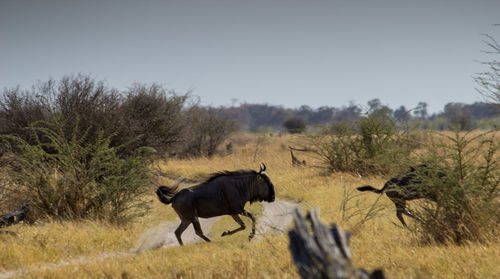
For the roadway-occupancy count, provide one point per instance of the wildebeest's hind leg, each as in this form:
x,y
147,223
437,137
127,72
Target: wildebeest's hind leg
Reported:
x,y
239,221
252,234
400,210
181,228
198,231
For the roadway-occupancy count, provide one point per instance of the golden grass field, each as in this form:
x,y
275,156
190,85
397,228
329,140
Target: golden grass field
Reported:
x,y
97,250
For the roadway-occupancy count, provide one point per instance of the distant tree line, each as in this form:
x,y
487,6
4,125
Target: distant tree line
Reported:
x,y
261,116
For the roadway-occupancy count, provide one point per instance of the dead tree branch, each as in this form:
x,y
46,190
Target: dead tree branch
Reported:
x,y
325,253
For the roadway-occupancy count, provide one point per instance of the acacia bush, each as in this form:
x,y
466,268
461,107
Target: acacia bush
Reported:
x,y
466,191
373,144
74,180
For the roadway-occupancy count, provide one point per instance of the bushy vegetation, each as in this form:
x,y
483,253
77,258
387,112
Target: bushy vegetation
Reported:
x,y
65,179
141,116
151,116
205,131
78,149
465,186
462,182
372,144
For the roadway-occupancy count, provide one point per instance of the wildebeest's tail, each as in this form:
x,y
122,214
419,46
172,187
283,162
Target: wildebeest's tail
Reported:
x,y
165,193
370,188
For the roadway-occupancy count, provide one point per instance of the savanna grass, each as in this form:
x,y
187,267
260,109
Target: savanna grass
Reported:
x,y
379,243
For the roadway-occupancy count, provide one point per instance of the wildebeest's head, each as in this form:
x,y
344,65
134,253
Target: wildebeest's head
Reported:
x,y
265,186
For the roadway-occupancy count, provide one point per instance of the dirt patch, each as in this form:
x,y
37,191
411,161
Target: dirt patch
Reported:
x,y
276,217
163,236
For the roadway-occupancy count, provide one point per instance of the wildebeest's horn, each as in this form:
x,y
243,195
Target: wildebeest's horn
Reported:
x,y
262,167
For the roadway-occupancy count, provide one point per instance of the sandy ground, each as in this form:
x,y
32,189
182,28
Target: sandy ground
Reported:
x,y
162,236
276,218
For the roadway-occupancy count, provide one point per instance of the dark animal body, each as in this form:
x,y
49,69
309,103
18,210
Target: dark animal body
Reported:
x,y
407,186
225,193
14,217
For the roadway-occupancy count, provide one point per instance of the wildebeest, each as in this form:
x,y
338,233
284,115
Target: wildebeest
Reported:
x,y
224,193
408,186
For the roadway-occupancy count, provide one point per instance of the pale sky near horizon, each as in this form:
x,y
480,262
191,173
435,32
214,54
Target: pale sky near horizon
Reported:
x,y
287,52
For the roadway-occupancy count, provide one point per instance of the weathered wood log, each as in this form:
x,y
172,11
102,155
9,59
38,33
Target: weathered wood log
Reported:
x,y
14,217
325,253
298,149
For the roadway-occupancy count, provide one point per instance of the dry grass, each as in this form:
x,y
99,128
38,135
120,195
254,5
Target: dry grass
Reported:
x,y
378,243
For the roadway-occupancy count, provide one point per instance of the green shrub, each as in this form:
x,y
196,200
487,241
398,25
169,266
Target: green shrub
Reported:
x,y
75,180
467,196
371,145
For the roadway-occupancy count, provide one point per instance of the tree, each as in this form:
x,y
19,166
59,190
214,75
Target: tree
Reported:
x,y
205,130
350,113
376,108
374,104
295,125
457,116
421,110
489,80
401,114
323,115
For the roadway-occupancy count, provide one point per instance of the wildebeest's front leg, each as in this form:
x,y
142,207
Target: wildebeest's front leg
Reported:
x,y
239,221
198,231
247,214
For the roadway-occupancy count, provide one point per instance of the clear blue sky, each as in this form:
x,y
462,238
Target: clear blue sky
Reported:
x,y
287,52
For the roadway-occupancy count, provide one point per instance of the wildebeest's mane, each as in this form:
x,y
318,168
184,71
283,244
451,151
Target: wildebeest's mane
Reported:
x,y
227,173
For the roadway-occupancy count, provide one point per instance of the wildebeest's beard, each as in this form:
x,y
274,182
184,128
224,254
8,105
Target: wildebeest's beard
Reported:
x,y
270,197
270,188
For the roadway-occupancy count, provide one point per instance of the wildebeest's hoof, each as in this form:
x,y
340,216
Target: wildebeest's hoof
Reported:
x,y
224,233
251,236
